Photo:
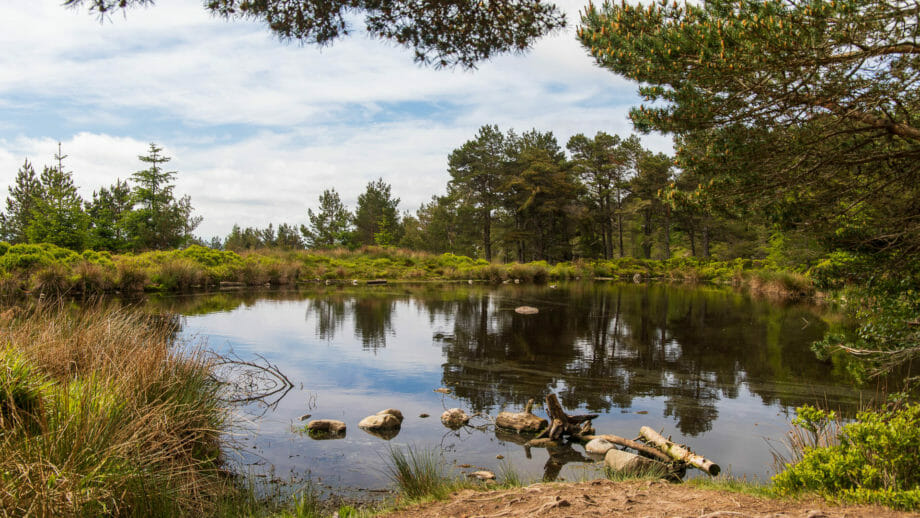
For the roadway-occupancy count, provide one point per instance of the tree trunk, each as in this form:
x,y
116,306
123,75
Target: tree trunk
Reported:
x,y
620,231
622,441
677,452
487,235
667,233
647,231
706,241
692,235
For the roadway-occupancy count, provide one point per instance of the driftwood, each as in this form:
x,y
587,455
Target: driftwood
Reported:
x,y
638,446
524,421
678,452
564,424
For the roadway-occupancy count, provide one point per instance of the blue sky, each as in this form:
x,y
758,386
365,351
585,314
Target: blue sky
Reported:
x,y
258,128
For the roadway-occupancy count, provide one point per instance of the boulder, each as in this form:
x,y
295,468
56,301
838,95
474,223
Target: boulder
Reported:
x,y
379,422
326,428
454,418
520,421
632,464
526,310
599,446
393,412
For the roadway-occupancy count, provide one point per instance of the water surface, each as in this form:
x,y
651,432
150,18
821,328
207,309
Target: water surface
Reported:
x,y
710,367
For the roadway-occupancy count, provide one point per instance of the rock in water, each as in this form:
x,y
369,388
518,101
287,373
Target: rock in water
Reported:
x,y
598,446
521,421
379,422
632,464
483,475
454,418
526,310
393,412
326,428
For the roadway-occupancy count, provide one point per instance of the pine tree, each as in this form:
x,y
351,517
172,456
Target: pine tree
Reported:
x,y
158,221
442,33
58,215
107,212
377,217
330,225
20,203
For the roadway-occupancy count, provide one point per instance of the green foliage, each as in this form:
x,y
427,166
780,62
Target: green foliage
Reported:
x,y
330,225
376,217
887,336
57,216
22,391
767,125
476,31
20,204
874,462
159,221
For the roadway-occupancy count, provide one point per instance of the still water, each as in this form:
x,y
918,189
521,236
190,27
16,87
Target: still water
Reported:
x,y
710,367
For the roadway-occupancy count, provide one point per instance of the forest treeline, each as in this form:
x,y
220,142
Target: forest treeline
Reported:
x,y
521,197
510,197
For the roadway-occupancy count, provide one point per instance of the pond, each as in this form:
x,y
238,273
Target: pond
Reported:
x,y
711,367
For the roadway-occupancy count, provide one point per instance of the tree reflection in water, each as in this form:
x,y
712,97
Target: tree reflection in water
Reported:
x,y
599,346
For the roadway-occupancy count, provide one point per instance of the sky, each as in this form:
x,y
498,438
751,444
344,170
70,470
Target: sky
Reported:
x,y
258,128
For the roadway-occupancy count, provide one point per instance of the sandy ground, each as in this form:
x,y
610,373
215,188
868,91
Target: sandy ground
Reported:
x,y
603,498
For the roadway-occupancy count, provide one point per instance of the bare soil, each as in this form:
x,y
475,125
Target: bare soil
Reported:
x,y
604,498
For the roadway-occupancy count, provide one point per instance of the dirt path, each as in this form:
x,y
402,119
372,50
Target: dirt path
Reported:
x,y
603,498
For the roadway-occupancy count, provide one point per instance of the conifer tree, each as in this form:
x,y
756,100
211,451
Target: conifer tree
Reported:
x,y
58,216
20,203
329,226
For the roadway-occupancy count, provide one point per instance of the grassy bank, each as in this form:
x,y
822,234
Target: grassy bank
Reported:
x,y
102,413
48,269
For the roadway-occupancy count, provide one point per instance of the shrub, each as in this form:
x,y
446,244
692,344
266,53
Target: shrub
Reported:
x,y
875,460
94,278
179,274
130,276
52,279
25,257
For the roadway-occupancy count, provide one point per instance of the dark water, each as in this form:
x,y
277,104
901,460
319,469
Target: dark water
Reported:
x,y
710,367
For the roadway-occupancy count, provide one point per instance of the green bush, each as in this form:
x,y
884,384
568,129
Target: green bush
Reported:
x,y
875,461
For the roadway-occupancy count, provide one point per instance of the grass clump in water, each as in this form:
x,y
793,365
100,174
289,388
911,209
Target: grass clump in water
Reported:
x,y
418,473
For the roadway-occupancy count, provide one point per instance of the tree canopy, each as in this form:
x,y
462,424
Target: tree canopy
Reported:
x,y
442,33
807,110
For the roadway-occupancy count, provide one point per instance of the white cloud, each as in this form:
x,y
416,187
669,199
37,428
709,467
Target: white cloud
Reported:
x,y
258,128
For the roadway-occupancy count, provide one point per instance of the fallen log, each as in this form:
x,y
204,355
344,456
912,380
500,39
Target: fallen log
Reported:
x,y
524,421
638,446
678,452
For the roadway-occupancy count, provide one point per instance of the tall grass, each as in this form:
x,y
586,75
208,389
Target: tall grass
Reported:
x,y
105,414
419,473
